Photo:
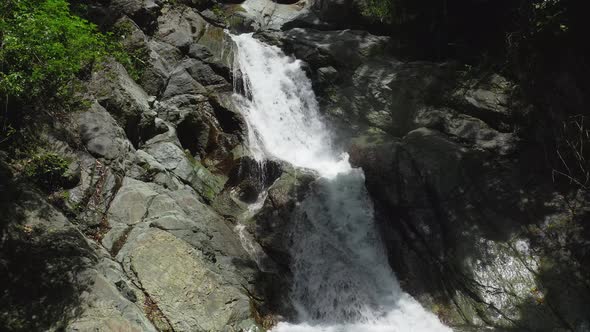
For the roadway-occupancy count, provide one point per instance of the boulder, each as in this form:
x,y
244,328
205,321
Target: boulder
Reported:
x,y
162,58
186,168
457,235
101,135
205,75
191,295
118,93
488,98
271,226
180,26
131,203
143,12
182,83
340,48
269,15
126,101
209,129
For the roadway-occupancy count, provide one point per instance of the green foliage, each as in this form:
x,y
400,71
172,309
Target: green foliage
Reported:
x,y
47,170
133,55
549,16
44,47
218,11
398,12
383,10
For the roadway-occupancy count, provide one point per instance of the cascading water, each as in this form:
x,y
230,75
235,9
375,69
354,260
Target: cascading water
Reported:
x,y
342,280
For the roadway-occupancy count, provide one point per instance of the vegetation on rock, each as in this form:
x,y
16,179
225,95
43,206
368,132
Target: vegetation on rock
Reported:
x,y
47,170
46,50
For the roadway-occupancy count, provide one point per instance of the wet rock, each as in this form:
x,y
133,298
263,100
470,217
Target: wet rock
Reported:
x,y
455,231
271,226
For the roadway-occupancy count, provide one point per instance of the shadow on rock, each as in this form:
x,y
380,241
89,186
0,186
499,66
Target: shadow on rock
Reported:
x,y
41,258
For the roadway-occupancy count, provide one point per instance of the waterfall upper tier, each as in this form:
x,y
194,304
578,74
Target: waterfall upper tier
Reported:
x,y
282,111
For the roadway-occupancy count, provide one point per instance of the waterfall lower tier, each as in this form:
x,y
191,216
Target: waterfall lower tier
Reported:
x,y
341,278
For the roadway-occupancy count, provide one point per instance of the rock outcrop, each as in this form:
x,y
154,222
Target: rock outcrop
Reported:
x,y
154,230
134,243
471,221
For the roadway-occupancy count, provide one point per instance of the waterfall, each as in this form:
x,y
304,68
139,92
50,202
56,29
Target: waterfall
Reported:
x,y
341,278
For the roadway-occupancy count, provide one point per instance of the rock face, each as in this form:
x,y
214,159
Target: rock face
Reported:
x,y
191,295
154,232
472,223
134,244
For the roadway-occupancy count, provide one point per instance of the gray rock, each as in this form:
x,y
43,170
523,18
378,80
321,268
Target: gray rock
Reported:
x,y
211,17
42,260
200,52
167,154
101,134
135,7
271,226
190,171
487,98
106,309
204,74
470,129
447,218
327,75
132,38
131,203
169,54
122,98
344,48
386,94
98,185
191,295
269,15
162,59
182,83
180,26
209,128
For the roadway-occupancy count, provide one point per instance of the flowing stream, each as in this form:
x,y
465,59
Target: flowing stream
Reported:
x,y
342,280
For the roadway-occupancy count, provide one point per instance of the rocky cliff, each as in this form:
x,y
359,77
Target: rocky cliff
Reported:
x,y
476,225
144,238
135,242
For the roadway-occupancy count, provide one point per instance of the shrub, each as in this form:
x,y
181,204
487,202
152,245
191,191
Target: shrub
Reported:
x,y
43,48
47,170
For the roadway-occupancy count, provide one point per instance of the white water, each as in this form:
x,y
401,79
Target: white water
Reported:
x,y
342,280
